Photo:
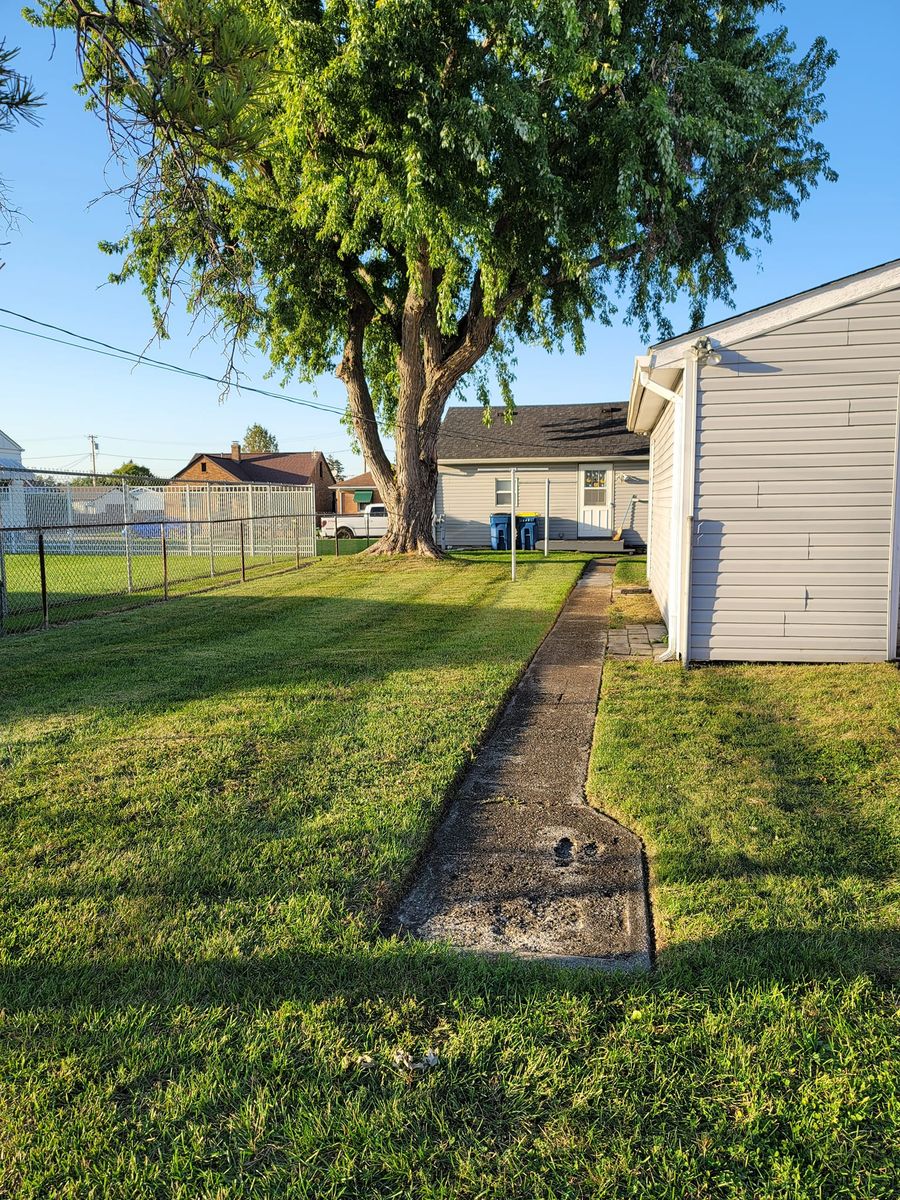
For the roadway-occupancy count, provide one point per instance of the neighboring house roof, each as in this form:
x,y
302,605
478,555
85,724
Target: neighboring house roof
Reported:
x,y
292,467
663,362
357,481
539,431
7,443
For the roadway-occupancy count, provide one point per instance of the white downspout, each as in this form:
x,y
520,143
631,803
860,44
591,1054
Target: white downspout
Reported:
x,y
690,390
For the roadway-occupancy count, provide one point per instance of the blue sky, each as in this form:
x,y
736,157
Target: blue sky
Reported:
x,y
51,398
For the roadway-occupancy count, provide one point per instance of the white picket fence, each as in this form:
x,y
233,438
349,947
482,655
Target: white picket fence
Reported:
x,y
198,519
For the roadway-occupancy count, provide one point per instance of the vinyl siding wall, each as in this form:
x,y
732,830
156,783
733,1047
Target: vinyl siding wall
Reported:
x,y
466,498
662,450
793,491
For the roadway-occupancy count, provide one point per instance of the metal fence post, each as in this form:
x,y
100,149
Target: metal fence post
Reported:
x,y
189,497
337,544
127,532
70,516
4,601
243,563
272,526
547,516
45,604
512,535
209,530
165,560
297,539
250,513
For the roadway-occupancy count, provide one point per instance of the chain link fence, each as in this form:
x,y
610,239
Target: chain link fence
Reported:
x,y
68,551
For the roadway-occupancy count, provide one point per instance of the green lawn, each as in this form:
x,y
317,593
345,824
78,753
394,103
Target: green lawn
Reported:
x,y
83,585
206,807
632,610
631,570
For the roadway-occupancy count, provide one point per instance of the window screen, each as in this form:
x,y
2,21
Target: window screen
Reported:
x,y
594,488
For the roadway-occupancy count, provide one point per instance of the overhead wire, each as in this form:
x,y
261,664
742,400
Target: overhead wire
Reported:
x,y
96,346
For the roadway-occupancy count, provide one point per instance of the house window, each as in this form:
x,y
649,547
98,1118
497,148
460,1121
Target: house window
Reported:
x,y
503,491
203,466
320,468
594,489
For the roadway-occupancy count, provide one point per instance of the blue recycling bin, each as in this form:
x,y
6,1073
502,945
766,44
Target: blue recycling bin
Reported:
x,y
501,525
526,531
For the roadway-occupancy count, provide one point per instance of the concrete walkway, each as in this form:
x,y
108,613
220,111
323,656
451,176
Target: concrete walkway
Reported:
x,y
521,864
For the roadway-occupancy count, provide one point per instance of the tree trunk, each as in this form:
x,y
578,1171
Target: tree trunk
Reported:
x,y
428,370
411,506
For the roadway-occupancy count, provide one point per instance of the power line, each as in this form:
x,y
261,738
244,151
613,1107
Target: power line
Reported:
x,y
108,350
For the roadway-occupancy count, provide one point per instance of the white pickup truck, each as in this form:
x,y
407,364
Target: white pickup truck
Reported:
x,y
369,524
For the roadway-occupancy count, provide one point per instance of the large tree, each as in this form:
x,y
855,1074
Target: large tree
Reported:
x,y
407,188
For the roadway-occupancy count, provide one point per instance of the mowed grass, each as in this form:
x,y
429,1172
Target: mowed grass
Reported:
x,y
207,807
632,610
85,585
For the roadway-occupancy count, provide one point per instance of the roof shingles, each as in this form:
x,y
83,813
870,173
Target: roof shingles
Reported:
x,y
540,431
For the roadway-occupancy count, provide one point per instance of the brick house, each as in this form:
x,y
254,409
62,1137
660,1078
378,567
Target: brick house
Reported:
x,y
356,494
293,467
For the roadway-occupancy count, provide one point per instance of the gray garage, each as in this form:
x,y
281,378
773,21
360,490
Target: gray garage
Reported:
x,y
774,480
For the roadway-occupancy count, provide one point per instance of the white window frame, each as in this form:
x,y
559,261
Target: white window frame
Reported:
x,y
504,483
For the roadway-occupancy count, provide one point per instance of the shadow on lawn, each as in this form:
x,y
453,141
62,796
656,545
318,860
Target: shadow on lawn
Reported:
x,y
394,971
213,645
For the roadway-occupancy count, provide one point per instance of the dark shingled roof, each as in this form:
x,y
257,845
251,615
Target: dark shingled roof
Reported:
x,y
585,431
289,467
356,481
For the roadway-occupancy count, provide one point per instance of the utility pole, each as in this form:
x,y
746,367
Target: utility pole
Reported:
x,y
94,447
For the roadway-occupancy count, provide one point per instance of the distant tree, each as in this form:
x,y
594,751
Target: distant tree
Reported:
x,y
258,440
128,470
337,467
18,102
134,471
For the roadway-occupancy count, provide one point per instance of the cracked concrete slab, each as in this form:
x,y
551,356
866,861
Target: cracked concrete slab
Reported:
x,y
521,864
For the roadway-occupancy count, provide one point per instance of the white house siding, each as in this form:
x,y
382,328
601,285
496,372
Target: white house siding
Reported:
x,y
466,498
631,492
793,491
662,447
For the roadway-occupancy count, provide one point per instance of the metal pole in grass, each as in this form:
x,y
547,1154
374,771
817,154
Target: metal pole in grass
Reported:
x,y
4,601
243,561
189,501
209,530
546,516
165,560
512,509
127,535
70,517
45,604
337,544
297,540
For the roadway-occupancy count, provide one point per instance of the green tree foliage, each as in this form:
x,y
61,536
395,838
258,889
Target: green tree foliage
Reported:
x,y
337,467
18,102
131,471
406,188
258,440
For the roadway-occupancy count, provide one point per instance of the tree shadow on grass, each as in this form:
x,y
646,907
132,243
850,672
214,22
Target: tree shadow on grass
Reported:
x,y
209,646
